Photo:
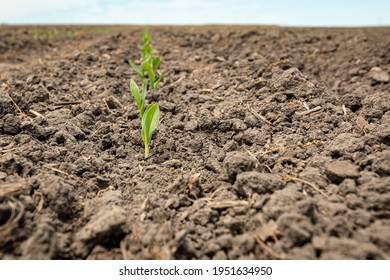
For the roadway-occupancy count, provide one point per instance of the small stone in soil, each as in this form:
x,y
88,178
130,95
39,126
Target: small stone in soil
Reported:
x,y
379,75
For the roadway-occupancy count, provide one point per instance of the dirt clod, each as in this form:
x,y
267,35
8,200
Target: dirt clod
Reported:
x,y
337,171
378,75
238,162
11,124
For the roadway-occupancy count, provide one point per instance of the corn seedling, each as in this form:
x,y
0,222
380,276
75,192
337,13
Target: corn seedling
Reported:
x,y
139,96
146,49
150,120
149,63
151,116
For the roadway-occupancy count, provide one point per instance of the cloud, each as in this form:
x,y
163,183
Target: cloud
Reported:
x,y
20,11
22,6
130,12
184,12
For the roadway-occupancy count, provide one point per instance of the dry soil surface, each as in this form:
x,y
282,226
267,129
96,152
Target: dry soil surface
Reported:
x,y
273,144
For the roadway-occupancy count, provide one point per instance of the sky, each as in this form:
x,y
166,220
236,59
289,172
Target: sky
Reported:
x,y
181,12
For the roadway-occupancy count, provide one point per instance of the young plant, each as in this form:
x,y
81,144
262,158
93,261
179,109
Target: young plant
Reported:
x,y
139,96
150,120
149,63
151,69
151,116
146,49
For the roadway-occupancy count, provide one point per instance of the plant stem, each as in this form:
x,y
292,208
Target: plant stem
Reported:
x,y
146,150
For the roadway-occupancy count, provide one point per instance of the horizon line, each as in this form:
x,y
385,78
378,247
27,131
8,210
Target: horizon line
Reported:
x,y
199,24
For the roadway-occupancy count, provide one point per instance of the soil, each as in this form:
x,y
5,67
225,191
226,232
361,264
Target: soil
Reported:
x,y
273,144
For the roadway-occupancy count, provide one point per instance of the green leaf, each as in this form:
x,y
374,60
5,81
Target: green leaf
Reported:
x,y
147,52
156,62
135,91
144,90
159,79
147,48
139,98
143,96
150,121
151,75
147,37
137,70
134,66
142,108
145,64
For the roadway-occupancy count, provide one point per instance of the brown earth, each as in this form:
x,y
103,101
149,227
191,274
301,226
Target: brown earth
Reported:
x,y
273,144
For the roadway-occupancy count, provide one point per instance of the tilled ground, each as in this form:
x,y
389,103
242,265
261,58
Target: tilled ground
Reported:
x,y
273,144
